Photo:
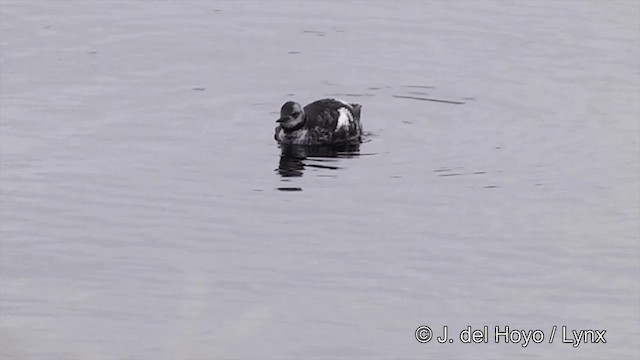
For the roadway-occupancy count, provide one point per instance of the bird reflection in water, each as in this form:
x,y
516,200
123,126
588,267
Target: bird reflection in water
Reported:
x,y
295,158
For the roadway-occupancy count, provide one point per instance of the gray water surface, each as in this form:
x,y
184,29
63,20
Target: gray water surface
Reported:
x,y
139,202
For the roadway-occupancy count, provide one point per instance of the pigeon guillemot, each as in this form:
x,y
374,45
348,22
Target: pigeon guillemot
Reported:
x,y
323,122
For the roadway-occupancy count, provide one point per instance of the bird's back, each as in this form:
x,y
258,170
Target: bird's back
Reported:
x,y
333,121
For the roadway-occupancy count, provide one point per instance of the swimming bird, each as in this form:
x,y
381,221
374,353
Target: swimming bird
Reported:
x,y
323,122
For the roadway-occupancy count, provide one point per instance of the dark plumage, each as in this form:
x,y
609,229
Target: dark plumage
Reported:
x,y
323,122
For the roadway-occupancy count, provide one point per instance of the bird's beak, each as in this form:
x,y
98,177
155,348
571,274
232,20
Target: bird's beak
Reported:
x,y
284,118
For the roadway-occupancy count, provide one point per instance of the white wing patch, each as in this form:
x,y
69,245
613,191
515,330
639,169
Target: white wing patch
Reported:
x,y
344,119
